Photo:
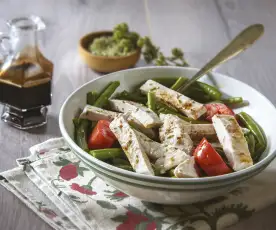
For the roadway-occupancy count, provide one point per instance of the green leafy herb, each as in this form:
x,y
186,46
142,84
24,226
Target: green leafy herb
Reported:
x,y
123,42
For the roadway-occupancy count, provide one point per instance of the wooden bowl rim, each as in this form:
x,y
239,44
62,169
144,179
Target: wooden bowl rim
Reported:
x,y
101,33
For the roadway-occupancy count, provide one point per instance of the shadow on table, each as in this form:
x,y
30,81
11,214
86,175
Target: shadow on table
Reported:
x,y
51,128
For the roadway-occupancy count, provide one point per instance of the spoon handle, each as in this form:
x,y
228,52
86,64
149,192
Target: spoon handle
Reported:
x,y
240,43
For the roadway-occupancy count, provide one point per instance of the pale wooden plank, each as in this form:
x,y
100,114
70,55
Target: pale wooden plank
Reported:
x,y
16,216
66,22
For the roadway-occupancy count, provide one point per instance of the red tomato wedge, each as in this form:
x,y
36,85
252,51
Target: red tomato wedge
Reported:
x,y
209,160
217,108
101,136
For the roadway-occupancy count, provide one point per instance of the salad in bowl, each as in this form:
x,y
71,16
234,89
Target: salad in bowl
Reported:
x,y
158,130
139,132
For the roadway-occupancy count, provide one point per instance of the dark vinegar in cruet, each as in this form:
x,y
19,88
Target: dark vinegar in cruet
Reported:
x,y
26,84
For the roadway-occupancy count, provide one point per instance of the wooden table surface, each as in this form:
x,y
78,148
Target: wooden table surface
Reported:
x,y
199,27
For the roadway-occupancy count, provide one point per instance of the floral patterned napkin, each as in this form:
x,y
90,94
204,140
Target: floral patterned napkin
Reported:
x,y
66,194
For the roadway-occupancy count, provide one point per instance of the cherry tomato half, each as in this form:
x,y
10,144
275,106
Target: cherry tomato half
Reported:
x,y
209,160
101,136
217,108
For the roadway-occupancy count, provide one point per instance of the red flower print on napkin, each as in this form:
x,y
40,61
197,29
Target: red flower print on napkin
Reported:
x,y
134,219
68,172
115,195
84,189
120,194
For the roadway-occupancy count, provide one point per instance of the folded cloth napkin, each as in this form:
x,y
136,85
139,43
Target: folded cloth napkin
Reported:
x,y
60,189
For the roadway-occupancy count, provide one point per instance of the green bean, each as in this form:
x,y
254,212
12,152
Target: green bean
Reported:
x,y
160,105
197,94
91,126
125,167
148,132
104,154
171,173
259,149
155,170
212,91
151,101
251,143
232,100
167,81
222,154
258,132
187,119
200,171
119,161
253,126
116,144
76,123
91,97
164,175
125,95
165,111
180,81
245,131
198,90
106,94
81,133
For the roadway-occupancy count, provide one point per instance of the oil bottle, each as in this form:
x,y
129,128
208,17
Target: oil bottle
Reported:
x,y
25,77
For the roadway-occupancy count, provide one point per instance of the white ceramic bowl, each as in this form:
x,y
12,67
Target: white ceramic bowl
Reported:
x,y
171,190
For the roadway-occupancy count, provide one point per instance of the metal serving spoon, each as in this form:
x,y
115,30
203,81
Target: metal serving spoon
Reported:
x,y
240,43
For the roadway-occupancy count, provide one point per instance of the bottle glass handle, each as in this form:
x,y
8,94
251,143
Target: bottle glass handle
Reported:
x,y
5,49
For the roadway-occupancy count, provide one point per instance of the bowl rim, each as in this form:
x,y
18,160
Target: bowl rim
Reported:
x,y
157,179
100,33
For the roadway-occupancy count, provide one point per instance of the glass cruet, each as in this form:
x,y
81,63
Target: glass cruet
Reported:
x,y
25,76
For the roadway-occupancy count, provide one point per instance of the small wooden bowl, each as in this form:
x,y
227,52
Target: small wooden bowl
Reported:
x,y
105,64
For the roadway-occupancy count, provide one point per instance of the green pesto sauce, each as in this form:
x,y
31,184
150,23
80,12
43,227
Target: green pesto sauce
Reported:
x,y
107,46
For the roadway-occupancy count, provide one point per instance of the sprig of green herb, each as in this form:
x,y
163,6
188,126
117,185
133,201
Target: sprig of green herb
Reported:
x,y
124,41
152,54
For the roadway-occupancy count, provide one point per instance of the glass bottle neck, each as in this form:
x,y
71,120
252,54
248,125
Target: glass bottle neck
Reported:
x,y
24,42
